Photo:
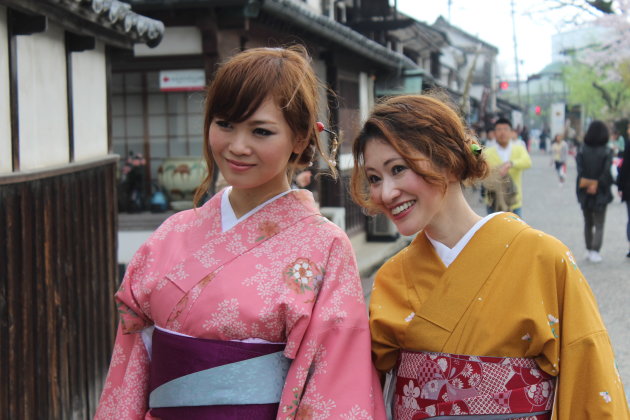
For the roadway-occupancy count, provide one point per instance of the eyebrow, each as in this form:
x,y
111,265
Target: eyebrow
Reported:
x,y
387,162
257,122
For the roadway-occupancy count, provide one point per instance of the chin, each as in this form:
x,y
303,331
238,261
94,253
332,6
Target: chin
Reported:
x,y
407,230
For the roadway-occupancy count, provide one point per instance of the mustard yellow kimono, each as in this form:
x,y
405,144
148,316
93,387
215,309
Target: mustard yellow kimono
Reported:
x,y
513,291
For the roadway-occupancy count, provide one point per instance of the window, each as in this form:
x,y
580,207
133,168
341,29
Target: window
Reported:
x,y
171,122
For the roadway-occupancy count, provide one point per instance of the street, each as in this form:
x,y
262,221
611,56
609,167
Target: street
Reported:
x,y
555,210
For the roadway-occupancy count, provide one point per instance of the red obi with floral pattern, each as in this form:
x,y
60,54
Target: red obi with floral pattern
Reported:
x,y
471,387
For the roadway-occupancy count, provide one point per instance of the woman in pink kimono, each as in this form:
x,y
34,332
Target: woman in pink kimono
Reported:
x,y
250,306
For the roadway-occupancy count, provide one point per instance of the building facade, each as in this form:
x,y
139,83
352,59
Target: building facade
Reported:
x,y
58,201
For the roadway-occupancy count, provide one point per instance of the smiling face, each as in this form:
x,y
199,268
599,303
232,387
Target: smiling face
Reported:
x,y
253,155
405,197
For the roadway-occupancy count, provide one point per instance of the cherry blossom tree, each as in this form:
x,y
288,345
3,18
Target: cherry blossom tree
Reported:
x,y
598,73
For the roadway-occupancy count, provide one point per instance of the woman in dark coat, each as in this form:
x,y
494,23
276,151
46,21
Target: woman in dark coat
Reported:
x,y
593,185
623,185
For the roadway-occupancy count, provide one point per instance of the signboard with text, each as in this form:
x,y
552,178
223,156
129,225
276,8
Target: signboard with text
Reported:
x,y
557,118
182,80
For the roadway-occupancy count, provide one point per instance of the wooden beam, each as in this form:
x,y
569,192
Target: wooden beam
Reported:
x,y
71,42
13,98
79,43
25,23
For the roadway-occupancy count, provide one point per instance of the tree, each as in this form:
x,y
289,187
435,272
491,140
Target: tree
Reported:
x,y
599,73
601,99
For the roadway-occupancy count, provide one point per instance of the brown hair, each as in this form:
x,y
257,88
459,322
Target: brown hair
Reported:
x,y
243,82
427,124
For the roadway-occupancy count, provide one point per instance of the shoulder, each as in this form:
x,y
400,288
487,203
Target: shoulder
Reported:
x,y
393,267
179,226
518,149
543,240
543,248
325,228
490,150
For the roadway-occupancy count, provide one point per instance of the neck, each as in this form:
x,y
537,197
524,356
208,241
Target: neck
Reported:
x,y
455,219
245,200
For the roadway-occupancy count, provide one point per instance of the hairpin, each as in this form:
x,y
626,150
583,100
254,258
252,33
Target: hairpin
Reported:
x,y
335,143
475,148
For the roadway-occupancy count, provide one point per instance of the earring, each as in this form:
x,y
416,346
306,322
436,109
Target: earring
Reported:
x,y
335,143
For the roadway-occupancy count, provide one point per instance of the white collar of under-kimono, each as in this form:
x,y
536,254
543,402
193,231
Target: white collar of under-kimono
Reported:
x,y
448,255
228,217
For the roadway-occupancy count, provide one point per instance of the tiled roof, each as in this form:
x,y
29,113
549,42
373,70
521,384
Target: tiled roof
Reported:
x,y
111,19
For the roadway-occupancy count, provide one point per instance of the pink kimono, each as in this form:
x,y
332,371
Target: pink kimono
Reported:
x,y
283,275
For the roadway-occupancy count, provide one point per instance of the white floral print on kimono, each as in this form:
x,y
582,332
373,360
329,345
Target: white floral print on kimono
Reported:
x,y
284,274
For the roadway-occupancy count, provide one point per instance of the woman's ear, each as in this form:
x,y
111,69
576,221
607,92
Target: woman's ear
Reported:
x,y
299,146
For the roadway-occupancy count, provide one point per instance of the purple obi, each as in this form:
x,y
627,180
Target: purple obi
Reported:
x,y
450,386
193,378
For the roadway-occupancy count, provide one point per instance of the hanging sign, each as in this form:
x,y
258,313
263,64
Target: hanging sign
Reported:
x,y
182,80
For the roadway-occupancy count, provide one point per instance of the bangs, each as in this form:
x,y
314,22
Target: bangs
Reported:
x,y
236,93
239,95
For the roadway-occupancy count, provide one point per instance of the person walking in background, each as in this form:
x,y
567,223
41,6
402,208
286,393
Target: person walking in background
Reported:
x,y
559,154
593,186
544,136
250,306
623,187
507,158
617,142
525,136
479,317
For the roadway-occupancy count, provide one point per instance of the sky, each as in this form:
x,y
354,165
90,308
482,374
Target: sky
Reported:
x,y
491,21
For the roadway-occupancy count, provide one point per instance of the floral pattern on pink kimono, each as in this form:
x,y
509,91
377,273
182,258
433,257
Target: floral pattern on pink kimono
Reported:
x,y
285,274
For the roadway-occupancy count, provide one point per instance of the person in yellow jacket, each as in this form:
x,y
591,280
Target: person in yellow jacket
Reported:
x,y
508,157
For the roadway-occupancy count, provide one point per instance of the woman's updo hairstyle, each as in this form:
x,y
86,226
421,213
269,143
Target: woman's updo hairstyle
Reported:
x,y
243,82
427,124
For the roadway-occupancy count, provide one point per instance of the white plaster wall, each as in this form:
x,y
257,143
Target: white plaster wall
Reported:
x,y
89,102
177,40
42,103
5,110
364,96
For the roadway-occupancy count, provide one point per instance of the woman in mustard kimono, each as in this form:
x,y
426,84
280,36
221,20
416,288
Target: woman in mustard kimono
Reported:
x,y
250,306
479,317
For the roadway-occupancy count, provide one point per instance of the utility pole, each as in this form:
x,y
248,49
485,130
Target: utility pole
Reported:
x,y
518,83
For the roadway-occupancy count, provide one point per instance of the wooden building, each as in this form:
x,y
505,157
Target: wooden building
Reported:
x,y
57,201
164,120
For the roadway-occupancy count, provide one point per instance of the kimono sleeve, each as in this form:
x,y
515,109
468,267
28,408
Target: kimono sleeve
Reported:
x,y
125,394
385,303
332,376
589,385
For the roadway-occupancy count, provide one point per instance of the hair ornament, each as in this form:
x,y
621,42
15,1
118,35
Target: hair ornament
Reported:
x,y
334,143
476,149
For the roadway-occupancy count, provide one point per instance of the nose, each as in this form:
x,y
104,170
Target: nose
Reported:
x,y
389,191
239,144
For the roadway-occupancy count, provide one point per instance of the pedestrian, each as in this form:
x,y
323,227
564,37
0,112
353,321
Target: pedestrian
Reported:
x,y
593,186
480,317
623,187
507,159
617,142
544,135
251,306
559,154
526,137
